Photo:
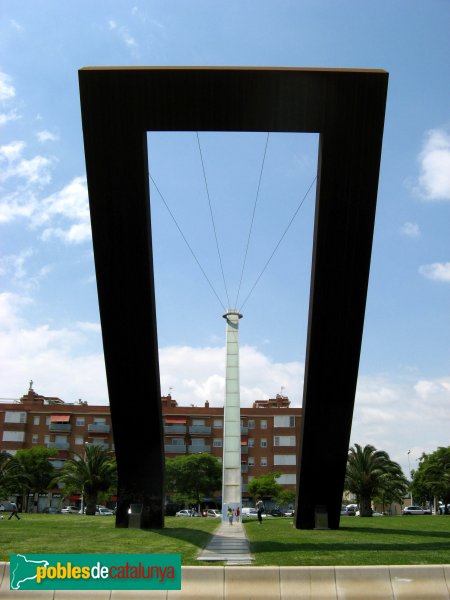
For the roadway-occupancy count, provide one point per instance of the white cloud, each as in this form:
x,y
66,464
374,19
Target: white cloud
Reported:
x,y
9,116
54,358
198,374
68,204
396,415
21,203
410,229
436,271
34,171
7,90
123,34
12,151
15,25
46,136
434,179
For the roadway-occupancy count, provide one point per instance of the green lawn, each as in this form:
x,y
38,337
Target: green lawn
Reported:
x,y
399,540
375,541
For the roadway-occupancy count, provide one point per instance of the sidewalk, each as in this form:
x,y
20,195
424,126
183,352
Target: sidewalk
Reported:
x,y
229,544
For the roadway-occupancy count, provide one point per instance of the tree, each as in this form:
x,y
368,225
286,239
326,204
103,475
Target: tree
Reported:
x,y
91,474
35,473
9,475
370,472
286,497
192,477
265,486
432,478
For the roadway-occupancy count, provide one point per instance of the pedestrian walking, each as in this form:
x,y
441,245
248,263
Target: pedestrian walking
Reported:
x,y
14,511
230,515
260,508
237,514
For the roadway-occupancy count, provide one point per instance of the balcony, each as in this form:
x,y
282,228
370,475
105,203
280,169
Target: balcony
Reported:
x,y
197,448
57,464
103,445
200,430
169,429
244,449
244,430
175,448
99,428
244,468
66,427
59,445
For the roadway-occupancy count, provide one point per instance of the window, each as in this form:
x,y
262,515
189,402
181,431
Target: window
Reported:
x,y
263,424
263,461
251,442
98,420
284,459
47,420
218,423
250,477
79,440
36,420
251,461
284,421
15,416
198,422
263,443
198,441
13,436
284,440
217,443
35,438
177,442
46,439
251,424
287,479
80,422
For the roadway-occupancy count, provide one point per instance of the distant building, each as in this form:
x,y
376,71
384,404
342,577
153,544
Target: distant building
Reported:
x,y
269,431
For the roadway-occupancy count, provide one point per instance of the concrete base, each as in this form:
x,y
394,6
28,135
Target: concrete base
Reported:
x,y
423,582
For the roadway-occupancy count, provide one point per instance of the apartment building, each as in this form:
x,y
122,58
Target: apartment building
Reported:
x,y
269,431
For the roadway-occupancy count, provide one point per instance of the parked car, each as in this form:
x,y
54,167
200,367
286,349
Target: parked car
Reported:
x,y
251,512
51,510
213,512
374,514
70,510
105,512
347,512
187,513
289,513
416,510
5,506
276,512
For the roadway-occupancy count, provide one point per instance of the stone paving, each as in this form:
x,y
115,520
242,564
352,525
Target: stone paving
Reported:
x,y
229,544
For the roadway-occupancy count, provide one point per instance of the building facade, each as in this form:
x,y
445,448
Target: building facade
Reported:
x,y
269,432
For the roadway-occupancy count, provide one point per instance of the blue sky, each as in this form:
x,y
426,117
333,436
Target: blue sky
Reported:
x,y
49,322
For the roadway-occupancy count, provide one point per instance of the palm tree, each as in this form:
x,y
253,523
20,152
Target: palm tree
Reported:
x,y
369,473
90,474
10,474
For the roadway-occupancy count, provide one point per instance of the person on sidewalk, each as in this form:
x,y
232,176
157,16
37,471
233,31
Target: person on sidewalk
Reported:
x,y
14,511
237,514
230,515
260,508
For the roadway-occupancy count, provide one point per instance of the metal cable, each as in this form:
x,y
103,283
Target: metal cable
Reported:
x,y
212,219
279,242
253,218
187,243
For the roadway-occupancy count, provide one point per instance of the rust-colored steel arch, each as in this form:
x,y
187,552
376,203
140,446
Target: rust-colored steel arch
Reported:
x,y
119,106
